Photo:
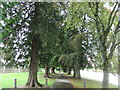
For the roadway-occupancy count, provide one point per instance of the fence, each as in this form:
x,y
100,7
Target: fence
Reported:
x,y
11,70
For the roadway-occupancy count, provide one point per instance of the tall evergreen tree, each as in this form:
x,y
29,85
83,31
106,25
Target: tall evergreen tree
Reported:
x,y
28,28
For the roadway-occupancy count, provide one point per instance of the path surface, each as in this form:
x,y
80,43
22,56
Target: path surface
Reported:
x,y
62,82
98,76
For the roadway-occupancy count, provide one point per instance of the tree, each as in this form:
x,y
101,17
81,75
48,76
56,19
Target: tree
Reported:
x,y
75,25
32,78
33,23
106,35
104,30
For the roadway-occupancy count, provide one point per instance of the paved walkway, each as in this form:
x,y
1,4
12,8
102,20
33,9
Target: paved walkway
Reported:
x,y
61,82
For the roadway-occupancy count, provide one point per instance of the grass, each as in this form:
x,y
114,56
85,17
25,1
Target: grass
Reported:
x,y
89,84
78,83
41,79
7,80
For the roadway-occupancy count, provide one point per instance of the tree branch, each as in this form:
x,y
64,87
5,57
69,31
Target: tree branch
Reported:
x,y
112,49
110,22
117,28
114,44
97,16
109,19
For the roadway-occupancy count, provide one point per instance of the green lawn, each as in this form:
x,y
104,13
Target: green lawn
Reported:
x,y
78,83
7,81
89,84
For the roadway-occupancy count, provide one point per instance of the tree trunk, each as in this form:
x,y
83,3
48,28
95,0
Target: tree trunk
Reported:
x,y
49,71
69,71
46,71
119,71
64,69
105,83
32,78
77,73
77,70
119,61
119,50
53,70
74,72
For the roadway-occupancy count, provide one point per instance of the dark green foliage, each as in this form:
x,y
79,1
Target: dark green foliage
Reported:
x,y
17,33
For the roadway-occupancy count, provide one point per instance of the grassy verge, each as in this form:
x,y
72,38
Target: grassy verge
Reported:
x,y
78,83
89,83
7,79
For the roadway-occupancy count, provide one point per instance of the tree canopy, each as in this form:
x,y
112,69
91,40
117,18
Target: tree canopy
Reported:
x,y
71,35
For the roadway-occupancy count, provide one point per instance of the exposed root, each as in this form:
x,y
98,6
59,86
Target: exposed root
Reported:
x,y
36,84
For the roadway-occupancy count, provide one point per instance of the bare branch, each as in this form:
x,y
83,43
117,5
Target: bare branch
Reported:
x,y
112,50
114,44
109,19
110,22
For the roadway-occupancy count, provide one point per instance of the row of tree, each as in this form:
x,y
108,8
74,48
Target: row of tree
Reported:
x,y
72,35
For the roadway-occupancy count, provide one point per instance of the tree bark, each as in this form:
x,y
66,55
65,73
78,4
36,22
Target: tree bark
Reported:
x,y
77,73
53,70
69,71
74,72
64,69
119,49
46,71
32,78
119,70
105,83
77,70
